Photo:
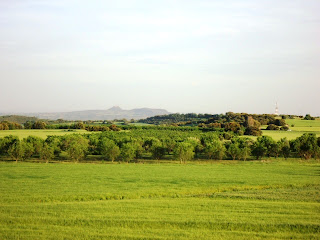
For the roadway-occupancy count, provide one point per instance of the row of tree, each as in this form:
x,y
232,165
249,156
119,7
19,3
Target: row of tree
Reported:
x,y
7,125
121,146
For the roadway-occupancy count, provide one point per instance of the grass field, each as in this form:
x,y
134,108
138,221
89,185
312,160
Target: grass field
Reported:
x,y
229,200
300,127
43,133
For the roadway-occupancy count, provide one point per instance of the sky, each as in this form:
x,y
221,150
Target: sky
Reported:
x,y
202,56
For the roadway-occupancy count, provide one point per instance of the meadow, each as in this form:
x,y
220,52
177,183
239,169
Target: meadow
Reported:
x,y
269,199
43,133
297,128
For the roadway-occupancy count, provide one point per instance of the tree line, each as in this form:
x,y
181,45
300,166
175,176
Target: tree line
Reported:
x,y
157,145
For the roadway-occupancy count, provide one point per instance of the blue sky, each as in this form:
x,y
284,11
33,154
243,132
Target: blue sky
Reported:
x,y
184,56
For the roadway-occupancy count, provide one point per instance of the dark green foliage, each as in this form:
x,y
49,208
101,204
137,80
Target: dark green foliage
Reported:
x,y
109,149
78,125
46,152
239,148
230,121
308,117
16,151
272,127
280,122
264,146
234,150
157,143
39,125
94,144
254,131
54,142
128,152
307,146
158,150
29,149
169,144
284,147
76,146
6,142
284,128
36,143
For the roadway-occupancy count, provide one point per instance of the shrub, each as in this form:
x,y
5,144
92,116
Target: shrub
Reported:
x,y
284,128
272,127
254,131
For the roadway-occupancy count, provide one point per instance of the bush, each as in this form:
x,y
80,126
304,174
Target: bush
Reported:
x,y
284,128
254,131
308,117
272,127
280,122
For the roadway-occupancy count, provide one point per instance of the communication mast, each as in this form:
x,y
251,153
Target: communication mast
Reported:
x,y
276,111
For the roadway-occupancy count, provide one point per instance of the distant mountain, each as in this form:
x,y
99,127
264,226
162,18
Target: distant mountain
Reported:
x,y
109,114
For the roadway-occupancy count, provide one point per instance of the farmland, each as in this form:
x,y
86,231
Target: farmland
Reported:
x,y
297,128
42,133
270,199
160,182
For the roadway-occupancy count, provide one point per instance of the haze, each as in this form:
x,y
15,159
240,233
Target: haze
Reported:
x,y
183,56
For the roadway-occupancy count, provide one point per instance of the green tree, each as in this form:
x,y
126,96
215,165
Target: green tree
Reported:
x,y
36,143
109,149
280,122
55,143
308,117
272,127
215,149
39,125
184,151
138,149
128,152
169,144
79,125
76,146
149,142
6,142
16,151
46,152
254,131
28,149
284,146
264,146
234,150
307,146
196,144
158,151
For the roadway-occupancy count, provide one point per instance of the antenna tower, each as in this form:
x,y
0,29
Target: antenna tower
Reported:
x,y
276,111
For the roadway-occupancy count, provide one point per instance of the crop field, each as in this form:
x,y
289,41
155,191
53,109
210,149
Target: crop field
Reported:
x,y
43,133
270,199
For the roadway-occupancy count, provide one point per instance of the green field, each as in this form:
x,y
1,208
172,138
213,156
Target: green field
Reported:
x,y
300,127
43,133
227,200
